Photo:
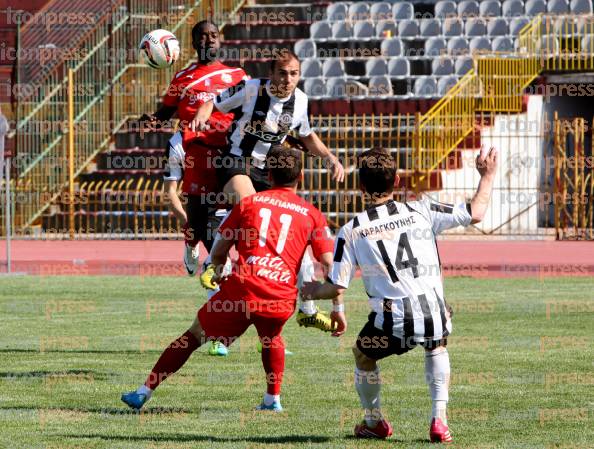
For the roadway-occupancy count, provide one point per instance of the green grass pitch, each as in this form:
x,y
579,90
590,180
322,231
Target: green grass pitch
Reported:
x,y
521,355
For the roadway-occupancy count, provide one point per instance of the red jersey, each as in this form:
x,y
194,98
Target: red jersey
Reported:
x,y
272,230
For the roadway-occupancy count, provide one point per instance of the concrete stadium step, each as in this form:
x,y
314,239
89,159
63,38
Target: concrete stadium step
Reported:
x,y
131,158
265,30
145,140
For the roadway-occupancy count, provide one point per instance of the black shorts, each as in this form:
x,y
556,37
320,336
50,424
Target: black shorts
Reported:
x,y
232,165
203,220
376,344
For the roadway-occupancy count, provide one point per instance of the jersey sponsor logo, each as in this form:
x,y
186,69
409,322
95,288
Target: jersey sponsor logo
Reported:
x,y
200,96
267,137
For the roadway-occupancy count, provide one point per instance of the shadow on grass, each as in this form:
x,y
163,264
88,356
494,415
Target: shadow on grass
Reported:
x,y
198,438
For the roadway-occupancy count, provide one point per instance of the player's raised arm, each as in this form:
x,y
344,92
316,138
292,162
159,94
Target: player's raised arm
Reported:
x,y
315,146
486,165
224,102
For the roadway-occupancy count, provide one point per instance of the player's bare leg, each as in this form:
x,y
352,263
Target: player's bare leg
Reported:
x,y
367,384
171,360
437,375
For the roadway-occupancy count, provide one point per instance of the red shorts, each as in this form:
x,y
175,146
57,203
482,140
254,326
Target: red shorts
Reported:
x,y
227,319
200,175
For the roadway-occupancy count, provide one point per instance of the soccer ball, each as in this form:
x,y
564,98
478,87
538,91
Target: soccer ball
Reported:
x,y
159,49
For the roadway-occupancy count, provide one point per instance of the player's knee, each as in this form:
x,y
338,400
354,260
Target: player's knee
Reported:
x,y
362,361
196,330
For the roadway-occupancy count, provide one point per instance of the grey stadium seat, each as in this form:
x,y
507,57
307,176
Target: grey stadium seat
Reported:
x,y
408,28
535,7
581,6
380,11
548,45
502,44
497,27
342,30
442,66
398,67
435,46
430,27
310,68
468,8
380,86
566,26
480,44
385,27
332,67
358,11
305,48
458,46
558,6
588,44
446,83
425,86
512,8
452,27
314,87
446,8
475,27
363,30
463,65
391,47
403,10
516,24
336,87
337,12
376,67
490,8
320,30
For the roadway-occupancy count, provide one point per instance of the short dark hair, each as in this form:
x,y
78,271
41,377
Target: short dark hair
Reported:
x,y
284,55
196,29
285,165
377,171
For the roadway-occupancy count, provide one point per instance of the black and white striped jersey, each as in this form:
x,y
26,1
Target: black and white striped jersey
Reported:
x,y
394,246
261,119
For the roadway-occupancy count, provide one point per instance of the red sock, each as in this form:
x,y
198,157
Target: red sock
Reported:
x,y
172,359
273,359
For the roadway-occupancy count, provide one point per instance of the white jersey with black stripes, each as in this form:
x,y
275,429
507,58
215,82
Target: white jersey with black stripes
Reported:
x,y
394,246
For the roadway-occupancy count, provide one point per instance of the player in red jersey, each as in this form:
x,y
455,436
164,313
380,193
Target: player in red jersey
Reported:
x,y
271,231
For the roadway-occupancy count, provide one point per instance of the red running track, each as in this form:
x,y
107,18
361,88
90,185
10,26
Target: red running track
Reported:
x,y
478,258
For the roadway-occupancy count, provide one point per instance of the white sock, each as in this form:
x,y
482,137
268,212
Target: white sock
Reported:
x,y
367,384
306,274
269,399
437,376
143,389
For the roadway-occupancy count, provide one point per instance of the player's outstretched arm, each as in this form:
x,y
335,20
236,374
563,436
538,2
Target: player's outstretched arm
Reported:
x,y
486,165
315,146
173,201
162,114
199,123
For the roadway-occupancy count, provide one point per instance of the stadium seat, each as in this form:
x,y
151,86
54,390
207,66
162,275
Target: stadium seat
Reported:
x,y
581,6
516,24
548,45
558,6
336,87
305,48
566,26
376,67
320,30
490,8
380,86
314,87
475,27
502,44
458,46
446,83
337,12
497,27
342,30
358,11
408,28
446,8
435,46
468,8
311,68
480,45
403,10
442,66
380,11
588,44
452,27
398,67
391,47
425,86
463,65
363,30
386,29
512,8
333,67
430,27
586,25
535,7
